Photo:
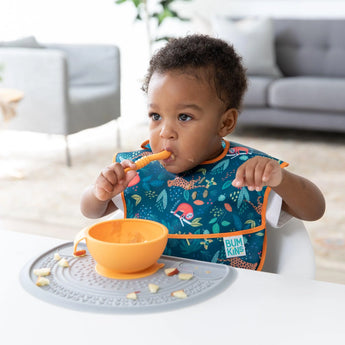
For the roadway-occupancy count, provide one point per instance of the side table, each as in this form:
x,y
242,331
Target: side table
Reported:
x,y
8,101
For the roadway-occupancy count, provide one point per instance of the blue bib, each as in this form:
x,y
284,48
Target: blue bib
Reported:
x,y
208,219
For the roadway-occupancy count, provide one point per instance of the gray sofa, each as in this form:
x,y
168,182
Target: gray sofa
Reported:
x,y
310,93
67,87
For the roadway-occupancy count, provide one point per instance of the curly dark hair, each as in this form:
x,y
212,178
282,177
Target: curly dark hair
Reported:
x,y
203,53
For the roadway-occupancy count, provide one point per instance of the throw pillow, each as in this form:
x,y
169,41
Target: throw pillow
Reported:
x,y
25,42
252,39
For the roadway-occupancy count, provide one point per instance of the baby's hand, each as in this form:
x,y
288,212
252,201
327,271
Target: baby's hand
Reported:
x,y
113,180
257,172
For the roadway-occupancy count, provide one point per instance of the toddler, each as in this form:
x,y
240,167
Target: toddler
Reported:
x,y
213,195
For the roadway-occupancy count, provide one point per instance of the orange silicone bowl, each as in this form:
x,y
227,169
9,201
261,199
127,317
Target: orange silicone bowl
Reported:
x,y
124,246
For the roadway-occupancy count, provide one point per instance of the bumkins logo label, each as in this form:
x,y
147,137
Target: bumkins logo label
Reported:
x,y
234,246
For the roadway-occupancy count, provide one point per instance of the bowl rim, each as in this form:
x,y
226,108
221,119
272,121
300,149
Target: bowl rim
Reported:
x,y
164,234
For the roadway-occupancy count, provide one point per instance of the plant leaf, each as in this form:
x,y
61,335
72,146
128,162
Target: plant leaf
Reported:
x,y
246,194
202,170
222,165
226,185
228,207
215,228
237,221
250,222
163,197
137,199
195,222
213,220
215,257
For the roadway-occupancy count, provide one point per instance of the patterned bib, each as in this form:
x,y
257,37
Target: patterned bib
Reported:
x,y
208,219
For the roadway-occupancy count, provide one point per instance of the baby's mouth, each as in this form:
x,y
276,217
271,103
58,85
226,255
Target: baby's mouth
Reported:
x,y
170,159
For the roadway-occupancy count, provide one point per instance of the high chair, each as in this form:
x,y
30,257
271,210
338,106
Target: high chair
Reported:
x,y
289,249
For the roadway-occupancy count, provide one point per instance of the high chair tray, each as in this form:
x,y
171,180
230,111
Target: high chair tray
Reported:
x,y
80,287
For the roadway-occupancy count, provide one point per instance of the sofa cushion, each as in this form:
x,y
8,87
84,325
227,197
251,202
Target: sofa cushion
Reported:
x,y
25,42
98,100
253,39
310,47
90,64
256,95
308,93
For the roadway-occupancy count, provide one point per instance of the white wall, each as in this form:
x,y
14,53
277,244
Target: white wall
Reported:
x,y
101,21
274,8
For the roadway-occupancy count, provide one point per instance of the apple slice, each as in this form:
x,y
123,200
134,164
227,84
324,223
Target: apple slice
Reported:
x,y
80,253
171,271
185,276
153,288
63,263
179,294
41,281
45,271
57,257
132,295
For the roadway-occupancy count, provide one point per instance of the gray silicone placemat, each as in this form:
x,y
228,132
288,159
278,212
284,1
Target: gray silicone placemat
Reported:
x,y
80,287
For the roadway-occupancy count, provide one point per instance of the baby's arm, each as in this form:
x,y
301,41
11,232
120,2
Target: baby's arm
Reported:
x,y
301,198
97,201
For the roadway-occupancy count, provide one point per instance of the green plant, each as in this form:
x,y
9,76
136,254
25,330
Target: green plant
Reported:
x,y
157,11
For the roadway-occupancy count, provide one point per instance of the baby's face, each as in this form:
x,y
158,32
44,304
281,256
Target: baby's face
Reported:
x,y
185,119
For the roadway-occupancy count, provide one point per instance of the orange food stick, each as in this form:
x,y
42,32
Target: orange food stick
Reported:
x,y
140,163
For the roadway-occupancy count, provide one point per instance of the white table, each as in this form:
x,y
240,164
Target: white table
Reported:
x,y
257,308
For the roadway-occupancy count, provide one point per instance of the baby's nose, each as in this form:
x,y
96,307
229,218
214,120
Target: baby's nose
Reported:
x,y
168,132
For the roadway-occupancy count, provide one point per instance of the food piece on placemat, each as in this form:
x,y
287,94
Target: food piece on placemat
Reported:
x,y
153,288
80,253
179,294
41,281
57,257
185,276
41,272
171,271
63,263
132,295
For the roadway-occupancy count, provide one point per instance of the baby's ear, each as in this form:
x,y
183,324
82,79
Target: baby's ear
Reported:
x,y
228,122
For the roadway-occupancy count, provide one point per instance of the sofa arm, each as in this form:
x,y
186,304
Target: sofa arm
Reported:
x,y
41,75
92,64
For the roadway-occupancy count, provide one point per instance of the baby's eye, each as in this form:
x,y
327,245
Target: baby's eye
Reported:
x,y
154,116
184,117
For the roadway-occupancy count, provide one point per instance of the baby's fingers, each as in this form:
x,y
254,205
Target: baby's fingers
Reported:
x,y
240,176
267,173
113,174
273,174
128,165
259,176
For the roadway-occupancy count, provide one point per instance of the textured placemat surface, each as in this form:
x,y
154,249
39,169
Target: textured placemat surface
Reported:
x,y
80,287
